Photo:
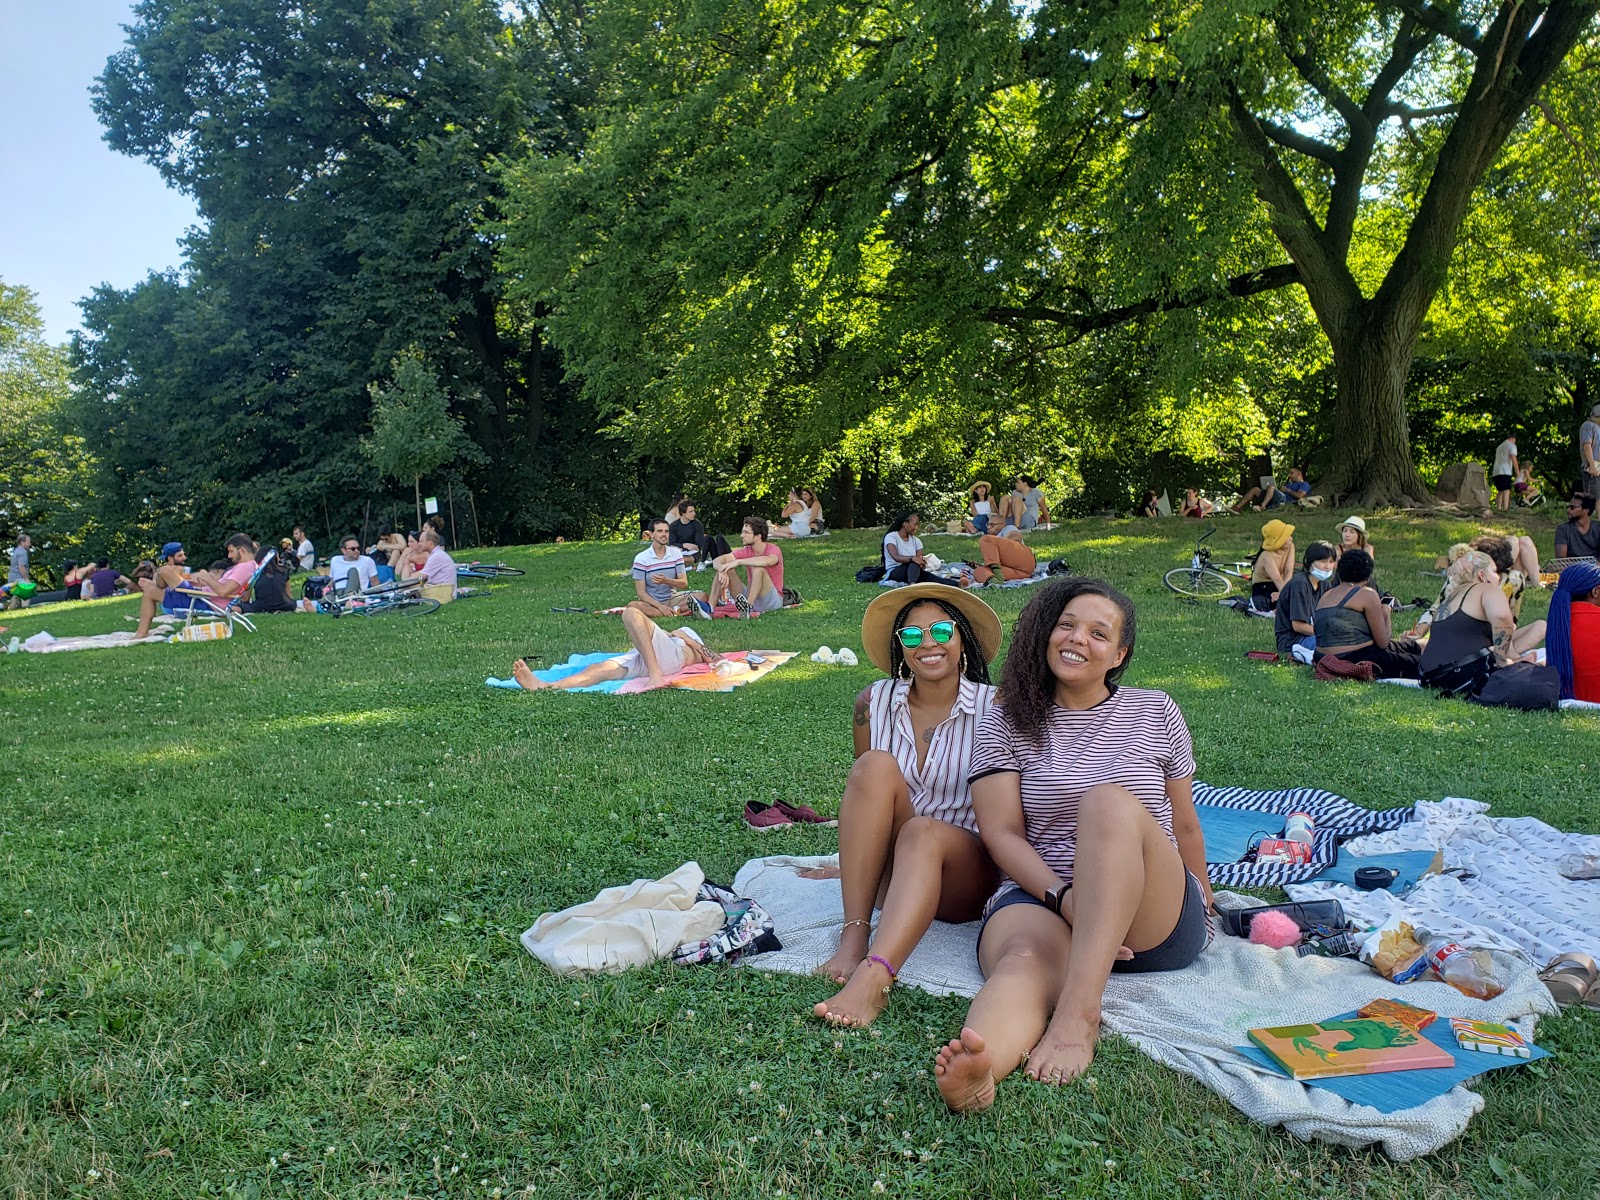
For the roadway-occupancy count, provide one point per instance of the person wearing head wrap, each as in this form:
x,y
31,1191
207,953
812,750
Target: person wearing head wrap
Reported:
x,y
1572,634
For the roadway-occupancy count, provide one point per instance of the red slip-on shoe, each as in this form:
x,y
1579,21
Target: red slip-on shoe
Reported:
x,y
800,814
763,818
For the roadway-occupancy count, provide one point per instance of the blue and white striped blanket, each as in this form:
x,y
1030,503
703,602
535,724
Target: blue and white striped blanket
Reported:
x,y
1337,820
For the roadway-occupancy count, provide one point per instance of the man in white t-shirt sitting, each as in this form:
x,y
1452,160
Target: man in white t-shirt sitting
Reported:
x,y
659,572
304,551
656,654
352,571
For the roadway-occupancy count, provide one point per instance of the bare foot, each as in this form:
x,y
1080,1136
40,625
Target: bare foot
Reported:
x,y
830,871
852,949
861,1000
523,674
964,1073
1065,1051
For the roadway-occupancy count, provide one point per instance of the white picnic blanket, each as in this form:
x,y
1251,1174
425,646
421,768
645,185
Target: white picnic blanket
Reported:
x,y
45,643
1508,893
1190,1020
951,572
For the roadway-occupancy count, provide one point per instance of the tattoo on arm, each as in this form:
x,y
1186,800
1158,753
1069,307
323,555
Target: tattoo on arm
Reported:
x,y
862,718
1504,646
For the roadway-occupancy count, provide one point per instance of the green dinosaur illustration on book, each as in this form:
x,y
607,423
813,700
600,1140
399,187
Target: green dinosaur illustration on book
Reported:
x,y
1363,1035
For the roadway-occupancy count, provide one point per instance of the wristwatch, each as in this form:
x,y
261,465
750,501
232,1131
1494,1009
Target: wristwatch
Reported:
x,y
1053,897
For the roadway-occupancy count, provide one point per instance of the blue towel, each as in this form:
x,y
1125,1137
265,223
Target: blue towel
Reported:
x,y
1337,820
1395,1090
1229,832
1410,863
571,667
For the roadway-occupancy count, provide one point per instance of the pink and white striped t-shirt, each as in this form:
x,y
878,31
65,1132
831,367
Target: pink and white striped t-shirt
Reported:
x,y
1136,738
938,784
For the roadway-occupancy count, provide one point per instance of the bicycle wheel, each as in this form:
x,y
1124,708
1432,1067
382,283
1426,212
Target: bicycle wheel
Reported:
x,y
1198,583
500,570
419,607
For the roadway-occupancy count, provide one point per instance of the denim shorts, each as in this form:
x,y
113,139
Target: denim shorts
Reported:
x,y
1181,947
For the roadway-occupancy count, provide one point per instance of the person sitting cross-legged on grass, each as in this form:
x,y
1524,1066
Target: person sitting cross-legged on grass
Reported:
x,y
656,654
241,551
908,840
1353,622
1084,792
659,572
761,588
1472,631
1273,567
1292,630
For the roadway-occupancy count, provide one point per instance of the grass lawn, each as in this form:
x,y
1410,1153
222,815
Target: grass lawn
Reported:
x,y
260,901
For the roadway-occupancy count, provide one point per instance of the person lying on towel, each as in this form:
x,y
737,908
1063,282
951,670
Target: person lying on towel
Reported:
x,y
1084,794
656,654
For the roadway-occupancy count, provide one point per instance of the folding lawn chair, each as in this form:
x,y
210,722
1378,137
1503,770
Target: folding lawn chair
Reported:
x,y
207,607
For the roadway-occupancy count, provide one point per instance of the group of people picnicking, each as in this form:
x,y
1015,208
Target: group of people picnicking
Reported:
x,y
250,577
1325,602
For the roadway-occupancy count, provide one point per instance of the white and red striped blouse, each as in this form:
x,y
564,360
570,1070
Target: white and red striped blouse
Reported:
x,y
938,784
1136,738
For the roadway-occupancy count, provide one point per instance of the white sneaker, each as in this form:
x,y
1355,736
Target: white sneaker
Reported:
x,y
823,655
1302,654
846,657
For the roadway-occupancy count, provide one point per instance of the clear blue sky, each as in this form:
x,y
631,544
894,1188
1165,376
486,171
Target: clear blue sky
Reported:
x,y
73,214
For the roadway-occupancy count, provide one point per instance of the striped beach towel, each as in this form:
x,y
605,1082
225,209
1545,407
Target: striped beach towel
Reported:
x,y
1336,818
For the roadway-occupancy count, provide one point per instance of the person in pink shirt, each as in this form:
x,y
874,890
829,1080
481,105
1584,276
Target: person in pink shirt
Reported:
x,y
761,589
438,571
241,552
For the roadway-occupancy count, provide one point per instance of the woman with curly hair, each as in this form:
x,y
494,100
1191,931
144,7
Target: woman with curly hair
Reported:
x,y
908,842
1084,795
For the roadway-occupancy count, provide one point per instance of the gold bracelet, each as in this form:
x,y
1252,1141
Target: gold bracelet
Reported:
x,y
858,921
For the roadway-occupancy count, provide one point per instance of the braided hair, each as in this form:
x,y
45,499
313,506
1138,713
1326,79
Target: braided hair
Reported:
x,y
974,663
1577,580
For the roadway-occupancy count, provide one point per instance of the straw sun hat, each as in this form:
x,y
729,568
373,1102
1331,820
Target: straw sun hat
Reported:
x,y
877,623
982,483
1356,523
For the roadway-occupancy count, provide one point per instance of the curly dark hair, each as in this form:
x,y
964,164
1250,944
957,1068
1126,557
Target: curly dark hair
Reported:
x,y
974,662
1027,685
1497,548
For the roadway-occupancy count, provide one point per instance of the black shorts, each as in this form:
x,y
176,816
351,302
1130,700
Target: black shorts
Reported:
x,y
1502,483
1181,947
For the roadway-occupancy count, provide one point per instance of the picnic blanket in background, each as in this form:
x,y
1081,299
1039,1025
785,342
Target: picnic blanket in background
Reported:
x,y
951,574
1194,1020
1501,886
698,677
1337,820
44,643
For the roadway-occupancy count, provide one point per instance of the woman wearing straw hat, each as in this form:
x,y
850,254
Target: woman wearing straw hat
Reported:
x,y
1353,536
908,842
979,508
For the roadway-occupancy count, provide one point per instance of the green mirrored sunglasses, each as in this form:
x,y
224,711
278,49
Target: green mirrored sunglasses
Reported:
x,y
911,635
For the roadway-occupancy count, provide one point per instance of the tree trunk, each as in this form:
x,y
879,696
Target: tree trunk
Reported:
x,y
416,485
844,498
1372,464
869,497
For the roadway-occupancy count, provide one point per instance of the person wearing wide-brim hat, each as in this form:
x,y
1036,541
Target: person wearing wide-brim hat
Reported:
x,y
1274,566
907,804
1353,536
980,507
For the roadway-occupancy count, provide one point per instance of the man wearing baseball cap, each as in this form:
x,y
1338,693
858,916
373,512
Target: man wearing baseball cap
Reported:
x,y
158,594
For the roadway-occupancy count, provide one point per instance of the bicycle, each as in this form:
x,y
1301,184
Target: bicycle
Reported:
x,y
487,571
406,599
1203,579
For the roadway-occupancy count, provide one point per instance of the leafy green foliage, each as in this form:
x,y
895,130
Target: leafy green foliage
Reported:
x,y
44,467
413,431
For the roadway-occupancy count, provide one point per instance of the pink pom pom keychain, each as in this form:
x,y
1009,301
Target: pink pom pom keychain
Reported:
x,y
1275,929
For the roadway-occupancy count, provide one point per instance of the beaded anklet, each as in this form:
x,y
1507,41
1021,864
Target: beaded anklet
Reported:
x,y
887,966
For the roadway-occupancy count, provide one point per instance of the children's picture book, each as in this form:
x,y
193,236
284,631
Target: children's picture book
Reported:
x,y
1350,1046
1489,1038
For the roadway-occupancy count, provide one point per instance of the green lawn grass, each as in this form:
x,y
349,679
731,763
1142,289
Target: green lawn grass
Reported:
x,y
260,900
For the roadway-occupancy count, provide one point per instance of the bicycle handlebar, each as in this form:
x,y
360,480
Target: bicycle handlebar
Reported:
x,y
1205,535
